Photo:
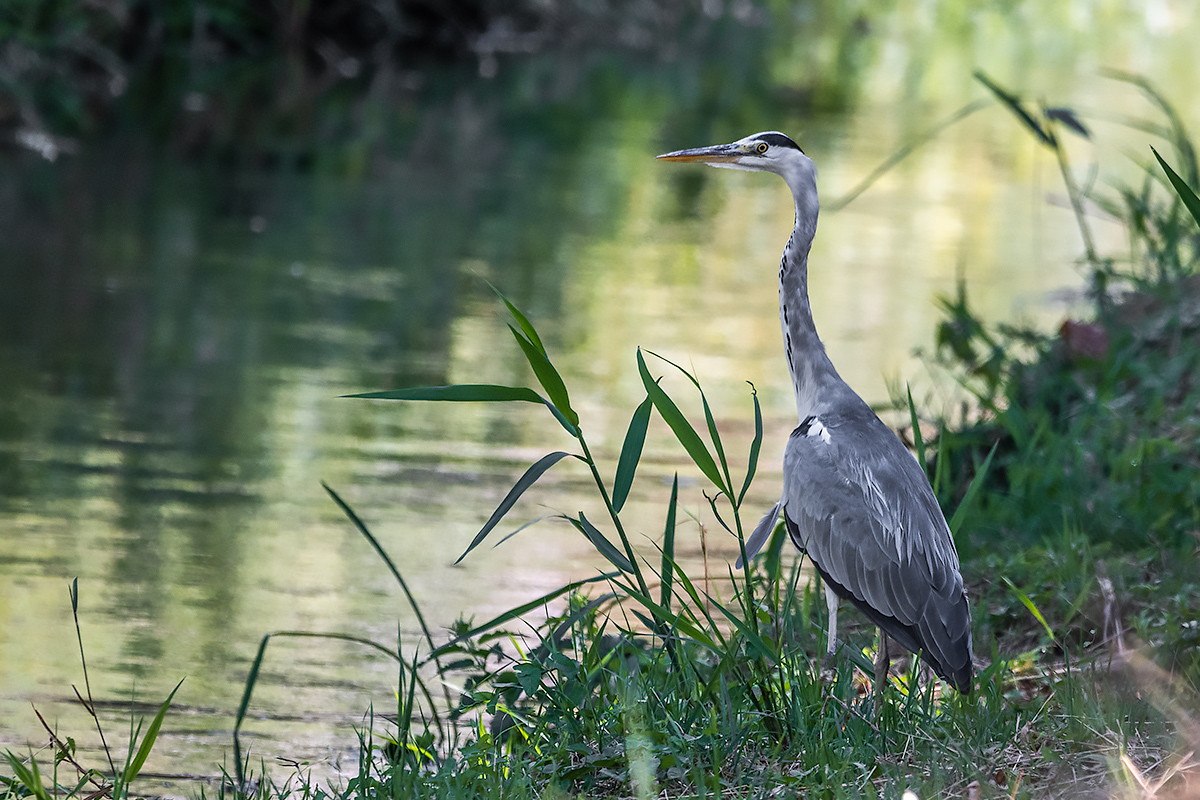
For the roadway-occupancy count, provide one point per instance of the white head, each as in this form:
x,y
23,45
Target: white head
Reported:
x,y
769,151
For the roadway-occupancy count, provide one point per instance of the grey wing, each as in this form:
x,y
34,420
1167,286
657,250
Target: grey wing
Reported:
x,y
858,504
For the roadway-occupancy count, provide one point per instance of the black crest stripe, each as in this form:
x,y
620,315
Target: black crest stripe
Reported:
x,y
778,140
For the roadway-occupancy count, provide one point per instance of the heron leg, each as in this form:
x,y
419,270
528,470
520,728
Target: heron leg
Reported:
x,y
831,603
883,663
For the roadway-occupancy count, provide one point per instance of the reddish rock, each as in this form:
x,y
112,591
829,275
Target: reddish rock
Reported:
x,y
1083,340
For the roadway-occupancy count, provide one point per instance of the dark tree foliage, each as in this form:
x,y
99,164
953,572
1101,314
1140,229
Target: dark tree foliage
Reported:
x,y
66,69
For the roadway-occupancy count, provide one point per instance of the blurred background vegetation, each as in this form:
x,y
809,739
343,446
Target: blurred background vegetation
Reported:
x,y
281,80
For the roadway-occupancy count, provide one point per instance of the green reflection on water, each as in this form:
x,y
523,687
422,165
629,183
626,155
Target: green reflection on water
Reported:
x,y
173,337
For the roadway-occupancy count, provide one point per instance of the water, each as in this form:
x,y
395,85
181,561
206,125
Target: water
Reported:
x,y
175,338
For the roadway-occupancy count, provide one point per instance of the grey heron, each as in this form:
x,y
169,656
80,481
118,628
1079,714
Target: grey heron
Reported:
x,y
854,498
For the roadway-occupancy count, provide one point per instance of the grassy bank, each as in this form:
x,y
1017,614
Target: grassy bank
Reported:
x,y
1070,479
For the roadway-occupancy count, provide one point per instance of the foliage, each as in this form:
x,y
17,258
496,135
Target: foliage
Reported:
x,y
1094,429
1094,426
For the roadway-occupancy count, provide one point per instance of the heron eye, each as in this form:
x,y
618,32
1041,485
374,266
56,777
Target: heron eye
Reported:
x,y
762,147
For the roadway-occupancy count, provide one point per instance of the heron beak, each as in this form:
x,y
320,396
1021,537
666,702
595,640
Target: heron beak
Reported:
x,y
715,154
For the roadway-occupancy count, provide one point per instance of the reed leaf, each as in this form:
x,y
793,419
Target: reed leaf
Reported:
x,y
918,440
631,453
755,446
528,479
472,393
547,376
523,321
679,425
520,610
143,752
972,491
1190,201
1014,104
602,544
668,548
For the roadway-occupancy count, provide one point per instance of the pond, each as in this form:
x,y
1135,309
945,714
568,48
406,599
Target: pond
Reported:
x,y
176,337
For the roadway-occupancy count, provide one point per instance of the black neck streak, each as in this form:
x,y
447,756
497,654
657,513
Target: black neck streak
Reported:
x,y
807,361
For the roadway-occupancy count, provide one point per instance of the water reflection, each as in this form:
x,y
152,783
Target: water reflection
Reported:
x,y
173,339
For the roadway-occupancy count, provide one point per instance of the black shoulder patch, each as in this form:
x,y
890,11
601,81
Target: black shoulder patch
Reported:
x,y
803,427
778,140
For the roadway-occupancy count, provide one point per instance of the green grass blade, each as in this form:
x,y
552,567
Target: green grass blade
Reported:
x,y
1177,133
520,610
90,705
755,446
745,630
528,479
668,548
472,393
409,703
918,440
712,504
602,544
690,589
715,436
529,524
695,632
522,320
1069,118
143,752
461,393
631,453
911,146
680,622
568,622
711,423
969,498
251,681
547,376
1182,189
570,427
362,528
686,374
1018,109
943,456
679,425
30,777
1029,604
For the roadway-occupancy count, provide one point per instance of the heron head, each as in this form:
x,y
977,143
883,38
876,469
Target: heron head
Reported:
x,y
769,151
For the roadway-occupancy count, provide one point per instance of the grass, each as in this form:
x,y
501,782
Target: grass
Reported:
x,y
1071,483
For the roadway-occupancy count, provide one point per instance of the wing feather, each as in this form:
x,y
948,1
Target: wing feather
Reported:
x,y
762,532
857,502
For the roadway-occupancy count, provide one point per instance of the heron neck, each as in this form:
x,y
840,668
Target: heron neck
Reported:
x,y
810,367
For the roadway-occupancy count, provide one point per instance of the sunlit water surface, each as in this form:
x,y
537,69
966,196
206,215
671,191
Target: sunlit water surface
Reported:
x,y
177,339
